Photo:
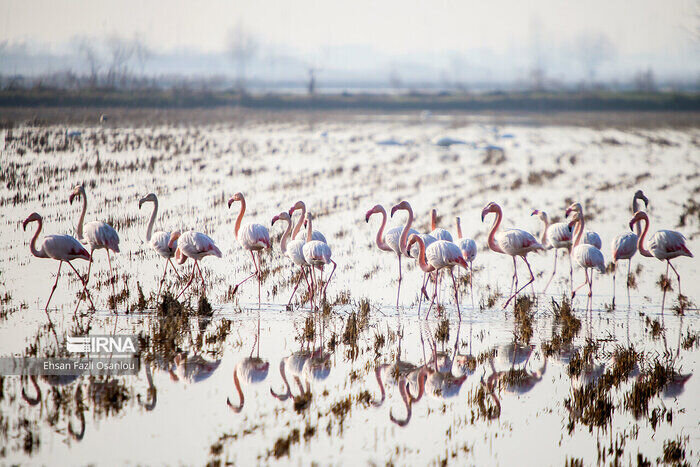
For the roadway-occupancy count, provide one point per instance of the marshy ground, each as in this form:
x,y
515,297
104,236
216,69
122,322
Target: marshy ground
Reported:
x,y
544,379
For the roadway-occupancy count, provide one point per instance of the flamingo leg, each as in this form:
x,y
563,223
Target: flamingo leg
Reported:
x,y
55,284
532,279
398,291
259,278
301,276
188,282
554,271
678,276
160,284
614,289
201,276
433,300
571,271
174,268
87,293
235,289
514,281
454,284
112,279
471,282
590,291
629,272
573,292
663,298
329,278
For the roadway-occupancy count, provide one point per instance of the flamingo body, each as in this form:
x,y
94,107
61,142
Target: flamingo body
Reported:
x,y
159,243
441,234
197,245
468,248
100,235
63,248
668,244
516,242
559,235
593,239
443,254
316,253
589,257
254,237
624,246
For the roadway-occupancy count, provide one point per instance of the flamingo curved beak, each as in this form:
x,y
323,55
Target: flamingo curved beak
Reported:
x,y
368,215
275,219
568,211
394,209
24,224
535,212
230,202
72,197
632,222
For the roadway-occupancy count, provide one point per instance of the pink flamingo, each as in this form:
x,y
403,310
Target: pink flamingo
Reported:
x,y
557,236
438,233
664,245
97,234
587,256
299,205
159,241
62,248
389,241
441,254
252,237
317,254
624,246
403,240
193,245
513,242
293,250
468,247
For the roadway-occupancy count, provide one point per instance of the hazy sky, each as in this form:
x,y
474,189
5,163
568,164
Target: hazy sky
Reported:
x,y
390,26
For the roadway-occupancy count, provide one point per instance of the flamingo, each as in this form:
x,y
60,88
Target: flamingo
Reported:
x,y
253,237
195,245
403,240
97,234
440,254
587,256
438,233
468,247
589,237
664,245
159,240
251,370
513,242
389,241
293,250
62,248
558,237
317,254
624,246
301,206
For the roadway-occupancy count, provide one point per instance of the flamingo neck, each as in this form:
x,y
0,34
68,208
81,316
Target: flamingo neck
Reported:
x,y
421,256
283,372
459,228
297,227
543,235
32,246
640,240
404,232
380,234
149,231
578,233
240,217
79,228
237,383
285,236
433,219
309,231
378,374
492,233
635,208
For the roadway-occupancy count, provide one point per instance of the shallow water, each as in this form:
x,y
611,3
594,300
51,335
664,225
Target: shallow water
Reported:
x,y
492,416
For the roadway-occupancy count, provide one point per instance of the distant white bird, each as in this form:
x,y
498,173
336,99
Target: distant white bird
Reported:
x,y
438,233
299,205
294,253
317,254
441,254
624,246
513,242
252,237
195,245
98,235
447,141
556,236
469,250
159,241
664,245
587,256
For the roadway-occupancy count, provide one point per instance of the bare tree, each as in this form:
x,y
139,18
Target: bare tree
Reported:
x,y
311,85
88,51
242,47
121,51
593,51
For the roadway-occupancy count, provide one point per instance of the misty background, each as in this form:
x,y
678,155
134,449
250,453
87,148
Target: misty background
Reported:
x,y
332,46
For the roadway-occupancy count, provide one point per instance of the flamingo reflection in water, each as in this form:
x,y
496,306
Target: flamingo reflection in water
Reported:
x,y
58,381
251,370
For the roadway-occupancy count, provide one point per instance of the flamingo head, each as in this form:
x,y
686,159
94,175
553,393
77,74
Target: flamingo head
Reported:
x,y
638,216
640,195
414,239
575,207
237,197
491,207
402,205
574,219
376,209
78,190
33,217
151,197
297,205
284,215
173,239
462,262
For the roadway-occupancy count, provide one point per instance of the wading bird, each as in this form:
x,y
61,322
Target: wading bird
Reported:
x,y
513,242
664,245
299,205
589,237
252,237
624,246
440,254
193,245
558,237
468,247
292,250
317,254
98,235
62,248
587,256
435,231
159,241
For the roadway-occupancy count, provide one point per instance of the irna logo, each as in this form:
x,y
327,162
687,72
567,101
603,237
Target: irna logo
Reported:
x,y
103,344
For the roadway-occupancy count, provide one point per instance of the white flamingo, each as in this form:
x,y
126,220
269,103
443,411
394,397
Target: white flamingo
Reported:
x,y
293,250
299,205
317,254
195,245
587,256
252,237
624,246
435,231
159,240
441,254
664,245
556,236
62,248
97,234
513,242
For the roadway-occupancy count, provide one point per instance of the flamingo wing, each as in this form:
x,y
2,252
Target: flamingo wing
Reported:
x,y
593,239
64,248
441,254
316,235
101,235
517,242
254,237
295,253
667,244
588,256
392,237
559,235
624,246
159,244
441,234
